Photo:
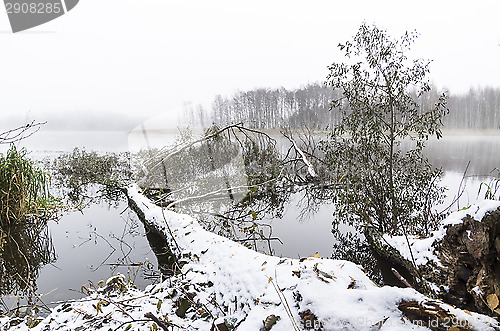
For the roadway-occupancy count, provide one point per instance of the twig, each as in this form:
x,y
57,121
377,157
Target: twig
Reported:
x,y
157,321
459,193
310,167
401,278
284,301
6,138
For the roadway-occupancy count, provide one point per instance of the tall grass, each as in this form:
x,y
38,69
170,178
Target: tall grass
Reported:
x,y
492,188
23,188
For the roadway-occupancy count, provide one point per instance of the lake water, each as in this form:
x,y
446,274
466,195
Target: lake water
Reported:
x,y
90,246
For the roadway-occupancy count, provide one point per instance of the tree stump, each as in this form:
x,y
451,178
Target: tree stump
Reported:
x,y
468,275
470,258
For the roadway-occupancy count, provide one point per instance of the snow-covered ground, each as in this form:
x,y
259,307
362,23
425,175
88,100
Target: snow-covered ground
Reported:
x,y
225,281
422,248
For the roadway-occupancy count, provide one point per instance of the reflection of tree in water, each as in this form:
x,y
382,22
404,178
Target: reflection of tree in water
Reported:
x,y
269,191
245,221
26,250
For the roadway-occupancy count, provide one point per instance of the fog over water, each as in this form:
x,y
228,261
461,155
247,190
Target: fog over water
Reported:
x,y
141,58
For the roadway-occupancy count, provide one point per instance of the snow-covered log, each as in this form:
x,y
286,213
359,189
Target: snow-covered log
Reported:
x,y
226,286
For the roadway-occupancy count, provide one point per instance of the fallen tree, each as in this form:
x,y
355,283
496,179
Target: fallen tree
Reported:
x,y
223,285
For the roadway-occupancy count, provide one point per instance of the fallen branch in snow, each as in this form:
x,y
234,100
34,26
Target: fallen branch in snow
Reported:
x,y
401,278
157,321
283,300
432,316
168,257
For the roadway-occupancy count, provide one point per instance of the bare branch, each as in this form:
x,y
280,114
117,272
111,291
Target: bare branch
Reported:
x,y
310,168
20,133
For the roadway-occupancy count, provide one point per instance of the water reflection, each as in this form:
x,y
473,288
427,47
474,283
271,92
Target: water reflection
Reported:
x,y
93,246
77,249
26,250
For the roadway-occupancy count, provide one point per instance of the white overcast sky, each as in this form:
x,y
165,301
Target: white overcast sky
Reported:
x,y
149,56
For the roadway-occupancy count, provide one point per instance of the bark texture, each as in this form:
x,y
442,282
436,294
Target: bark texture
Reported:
x,y
470,258
468,275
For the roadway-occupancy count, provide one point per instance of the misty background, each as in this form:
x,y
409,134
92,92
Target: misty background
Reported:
x,y
110,64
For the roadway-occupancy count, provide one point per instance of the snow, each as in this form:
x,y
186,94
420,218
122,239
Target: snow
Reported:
x,y
422,248
478,291
242,287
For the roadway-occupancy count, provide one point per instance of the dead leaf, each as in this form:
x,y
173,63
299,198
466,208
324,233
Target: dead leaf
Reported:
x,y
323,280
158,306
353,285
270,321
98,307
296,273
316,255
308,319
492,301
322,274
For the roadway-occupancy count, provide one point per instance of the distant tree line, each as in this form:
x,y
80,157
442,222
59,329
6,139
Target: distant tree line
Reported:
x,y
309,106
476,109
275,108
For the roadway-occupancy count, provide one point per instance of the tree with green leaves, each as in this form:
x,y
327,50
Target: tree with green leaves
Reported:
x,y
376,149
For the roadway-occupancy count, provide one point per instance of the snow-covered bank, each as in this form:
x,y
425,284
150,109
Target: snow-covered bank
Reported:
x,y
460,260
225,281
422,249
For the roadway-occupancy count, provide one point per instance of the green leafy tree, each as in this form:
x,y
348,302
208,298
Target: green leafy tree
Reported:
x,y
377,147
